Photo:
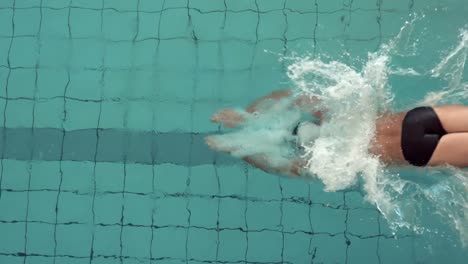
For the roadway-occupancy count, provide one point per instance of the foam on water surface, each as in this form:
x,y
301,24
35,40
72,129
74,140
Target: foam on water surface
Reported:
x,y
353,99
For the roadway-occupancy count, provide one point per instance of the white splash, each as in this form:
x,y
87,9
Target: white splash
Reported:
x,y
353,99
404,72
451,69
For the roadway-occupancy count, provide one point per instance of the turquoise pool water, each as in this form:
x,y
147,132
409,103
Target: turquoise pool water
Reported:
x,y
105,105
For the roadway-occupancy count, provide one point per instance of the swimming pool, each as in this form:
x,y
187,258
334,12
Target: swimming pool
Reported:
x,y
105,105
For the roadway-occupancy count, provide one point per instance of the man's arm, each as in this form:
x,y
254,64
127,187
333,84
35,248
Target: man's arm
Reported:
x,y
276,95
304,102
292,169
232,118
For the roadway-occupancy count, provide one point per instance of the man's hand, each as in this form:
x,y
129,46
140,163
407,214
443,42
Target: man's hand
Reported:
x,y
228,117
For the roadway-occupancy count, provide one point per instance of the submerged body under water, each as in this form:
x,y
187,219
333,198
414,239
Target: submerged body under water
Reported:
x,y
337,151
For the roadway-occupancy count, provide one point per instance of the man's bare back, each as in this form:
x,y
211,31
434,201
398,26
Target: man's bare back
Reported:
x,y
387,141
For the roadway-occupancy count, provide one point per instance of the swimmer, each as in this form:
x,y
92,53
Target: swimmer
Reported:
x,y
231,118
423,136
